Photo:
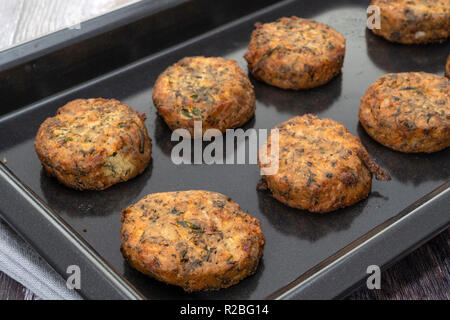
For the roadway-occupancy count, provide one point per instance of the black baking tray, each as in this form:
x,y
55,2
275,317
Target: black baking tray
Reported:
x,y
119,55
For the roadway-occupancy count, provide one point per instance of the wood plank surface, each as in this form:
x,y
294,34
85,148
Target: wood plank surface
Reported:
x,y
424,274
10,11
12,290
24,20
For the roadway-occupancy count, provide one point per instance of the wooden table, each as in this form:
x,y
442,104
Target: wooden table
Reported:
x,y
424,274
23,20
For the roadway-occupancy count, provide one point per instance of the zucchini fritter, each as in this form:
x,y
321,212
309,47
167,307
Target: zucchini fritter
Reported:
x,y
93,144
414,21
408,112
212,90
198,240
322,167
295,53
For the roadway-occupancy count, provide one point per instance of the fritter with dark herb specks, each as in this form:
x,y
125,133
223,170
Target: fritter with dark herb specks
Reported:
x,y
212,90
413,21
295,53
322,167
198,240
408,112
93,144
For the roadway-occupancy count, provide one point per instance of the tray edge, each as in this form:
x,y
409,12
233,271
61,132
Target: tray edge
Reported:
x,y
345,270
103,281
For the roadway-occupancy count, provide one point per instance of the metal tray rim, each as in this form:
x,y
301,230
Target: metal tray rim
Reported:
x,y
123,287
33,49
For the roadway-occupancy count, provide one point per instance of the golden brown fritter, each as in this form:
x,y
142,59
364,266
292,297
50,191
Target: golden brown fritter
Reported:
x,y
322,167
93,144
408,112
212,90
447,68
198,240
295,53
414,21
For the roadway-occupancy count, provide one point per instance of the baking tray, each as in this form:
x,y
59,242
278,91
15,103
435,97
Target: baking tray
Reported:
x,y
307,256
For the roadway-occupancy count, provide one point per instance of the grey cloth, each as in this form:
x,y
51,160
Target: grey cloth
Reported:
x,y
22,263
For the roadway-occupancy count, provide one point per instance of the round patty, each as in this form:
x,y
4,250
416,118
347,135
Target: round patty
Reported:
x,y
93,144
322,167
408,112
213,90
414,21
295,53
198,240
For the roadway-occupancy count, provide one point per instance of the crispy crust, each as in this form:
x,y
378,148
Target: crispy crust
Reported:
x,y
213,90
93,144
295,53
408,112
414,21
447,68
198,240
322,167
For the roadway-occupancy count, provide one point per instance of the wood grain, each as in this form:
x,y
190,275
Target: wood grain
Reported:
x,y
12,290
10,11
24,20
422,275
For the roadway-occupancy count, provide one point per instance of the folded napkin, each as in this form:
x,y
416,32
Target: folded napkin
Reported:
x,y
22,263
